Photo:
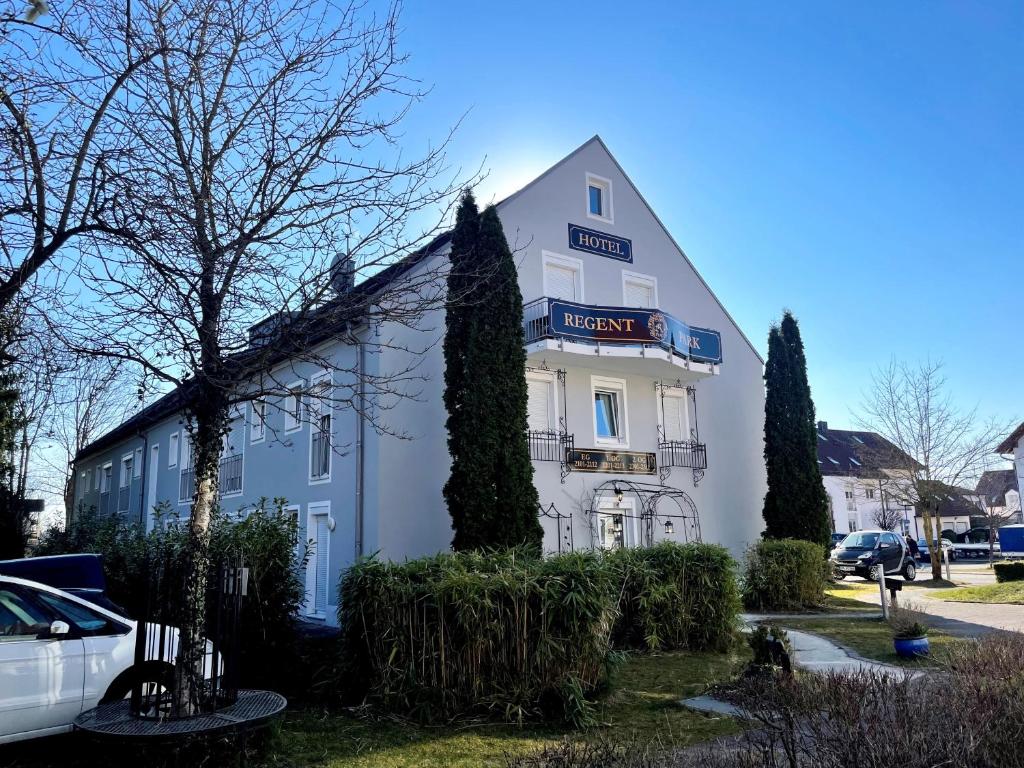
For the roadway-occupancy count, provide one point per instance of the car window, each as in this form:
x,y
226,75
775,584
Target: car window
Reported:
x,y
861,541
20,618
88,622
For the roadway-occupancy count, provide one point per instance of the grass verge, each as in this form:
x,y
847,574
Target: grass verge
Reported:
x,y
871,638
1010,592
643,702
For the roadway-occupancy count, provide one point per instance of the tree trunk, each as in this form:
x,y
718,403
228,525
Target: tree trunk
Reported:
x,y
210,414
936,534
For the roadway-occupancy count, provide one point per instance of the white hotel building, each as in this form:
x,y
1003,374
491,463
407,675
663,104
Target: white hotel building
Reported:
x,y
646,405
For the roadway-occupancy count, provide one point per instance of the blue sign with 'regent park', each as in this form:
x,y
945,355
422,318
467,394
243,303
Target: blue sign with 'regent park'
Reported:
x,y
634,326
600,243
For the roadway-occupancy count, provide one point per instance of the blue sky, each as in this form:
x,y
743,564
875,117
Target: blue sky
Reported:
x,y
860,164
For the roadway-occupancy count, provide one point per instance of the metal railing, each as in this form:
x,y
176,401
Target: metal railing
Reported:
x,y
683,453
548,445
122,498
231,474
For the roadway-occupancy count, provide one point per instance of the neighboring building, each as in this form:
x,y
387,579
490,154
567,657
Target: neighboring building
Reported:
x,y
646,404
857,468
1012,448
998,495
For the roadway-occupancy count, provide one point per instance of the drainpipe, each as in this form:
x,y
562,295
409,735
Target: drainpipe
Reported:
x,y
142,478
360,433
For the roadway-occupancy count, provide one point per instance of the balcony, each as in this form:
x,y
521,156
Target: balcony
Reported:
x,y
614,333
548,445
683,453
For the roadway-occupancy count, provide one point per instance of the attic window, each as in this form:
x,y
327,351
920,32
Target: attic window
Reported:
x,y
854,461
822,437
857,439
833,461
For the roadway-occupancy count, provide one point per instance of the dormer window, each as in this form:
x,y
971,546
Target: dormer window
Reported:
x,y
599,198
854,461
833,461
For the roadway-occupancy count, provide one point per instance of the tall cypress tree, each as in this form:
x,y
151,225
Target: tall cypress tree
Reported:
x,y
490,493
796,505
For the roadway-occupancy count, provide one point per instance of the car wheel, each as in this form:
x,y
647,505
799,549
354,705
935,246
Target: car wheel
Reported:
x,y
909,570
874,573
155,678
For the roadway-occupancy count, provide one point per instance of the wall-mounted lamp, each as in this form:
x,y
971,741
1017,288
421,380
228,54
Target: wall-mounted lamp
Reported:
x,y
618,494
669,528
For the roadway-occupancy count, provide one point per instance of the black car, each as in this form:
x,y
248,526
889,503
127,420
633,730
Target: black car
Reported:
x,y
866,553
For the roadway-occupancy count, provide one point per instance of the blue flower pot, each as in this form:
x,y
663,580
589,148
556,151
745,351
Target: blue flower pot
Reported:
x,y
911,647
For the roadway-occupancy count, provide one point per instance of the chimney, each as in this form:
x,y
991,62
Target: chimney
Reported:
x,y
823,427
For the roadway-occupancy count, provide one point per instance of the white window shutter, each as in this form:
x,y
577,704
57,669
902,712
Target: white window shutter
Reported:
x,y
323,549
539,405
675,413
638,295
561,282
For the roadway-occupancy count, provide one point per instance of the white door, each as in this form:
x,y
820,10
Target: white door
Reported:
x,y
318,564
41,680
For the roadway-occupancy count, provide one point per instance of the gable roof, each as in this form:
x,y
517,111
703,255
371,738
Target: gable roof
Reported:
x,y
316,330
1008,445
857,453
993,485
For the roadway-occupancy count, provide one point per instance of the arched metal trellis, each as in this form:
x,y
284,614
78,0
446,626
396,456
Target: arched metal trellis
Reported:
x,y
563,526
658,505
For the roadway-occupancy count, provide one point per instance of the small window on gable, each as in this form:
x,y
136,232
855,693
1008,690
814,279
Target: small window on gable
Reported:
x,y
599,198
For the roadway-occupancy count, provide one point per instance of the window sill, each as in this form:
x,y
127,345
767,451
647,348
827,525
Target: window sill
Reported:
x,y
602,219
319,480
604,443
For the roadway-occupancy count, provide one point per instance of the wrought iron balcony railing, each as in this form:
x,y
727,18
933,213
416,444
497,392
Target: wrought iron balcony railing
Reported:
x,y
230,478
548,445
683,453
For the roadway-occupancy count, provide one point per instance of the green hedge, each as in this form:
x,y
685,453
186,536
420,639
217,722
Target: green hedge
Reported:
x,y
675,596
502,635
784,575
1009,570
266,539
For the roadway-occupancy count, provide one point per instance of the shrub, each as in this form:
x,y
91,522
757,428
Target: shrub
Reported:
x,y
502,635
266,540
767,644
784,575
1009,570
675,596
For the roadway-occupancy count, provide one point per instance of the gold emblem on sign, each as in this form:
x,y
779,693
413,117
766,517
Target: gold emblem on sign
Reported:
x,y
657,326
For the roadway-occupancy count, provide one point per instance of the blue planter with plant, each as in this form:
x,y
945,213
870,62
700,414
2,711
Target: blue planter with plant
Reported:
x,y
910,639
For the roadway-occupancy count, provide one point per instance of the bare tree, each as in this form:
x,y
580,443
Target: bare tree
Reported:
x,y
996,515
939,445
259,180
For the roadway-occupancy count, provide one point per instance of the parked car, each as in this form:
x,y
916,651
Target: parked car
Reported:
x,y
837,539
924,554
61,655
81,575
868,554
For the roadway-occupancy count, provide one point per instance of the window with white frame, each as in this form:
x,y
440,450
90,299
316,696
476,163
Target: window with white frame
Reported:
x,y
852,522
96,475
563,277
610,419
293,407
869,493
851,500
540,409
83,485
127,462
320,401
258,423
105,477
599,198
674,414
172,453
137,463
639,290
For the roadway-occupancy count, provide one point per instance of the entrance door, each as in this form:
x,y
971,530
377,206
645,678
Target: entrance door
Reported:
x,y
318,565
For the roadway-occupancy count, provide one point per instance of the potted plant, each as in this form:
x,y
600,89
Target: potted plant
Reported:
x,y
909,638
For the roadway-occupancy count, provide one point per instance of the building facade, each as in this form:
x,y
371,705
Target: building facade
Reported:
x,y
1012,448
646,405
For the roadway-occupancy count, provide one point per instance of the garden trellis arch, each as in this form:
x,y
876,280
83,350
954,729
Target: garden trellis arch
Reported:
x,y
655,505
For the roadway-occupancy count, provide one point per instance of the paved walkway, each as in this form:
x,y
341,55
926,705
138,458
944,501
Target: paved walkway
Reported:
x,y
959,619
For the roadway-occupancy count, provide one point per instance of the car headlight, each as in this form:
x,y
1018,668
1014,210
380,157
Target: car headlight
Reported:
x,y
865,556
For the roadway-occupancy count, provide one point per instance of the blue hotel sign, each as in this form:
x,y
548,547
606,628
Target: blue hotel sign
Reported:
x,y
600,243
634,326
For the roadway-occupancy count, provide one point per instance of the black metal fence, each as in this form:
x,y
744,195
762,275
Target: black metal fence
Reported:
x,y
678,453
548,445
180,679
